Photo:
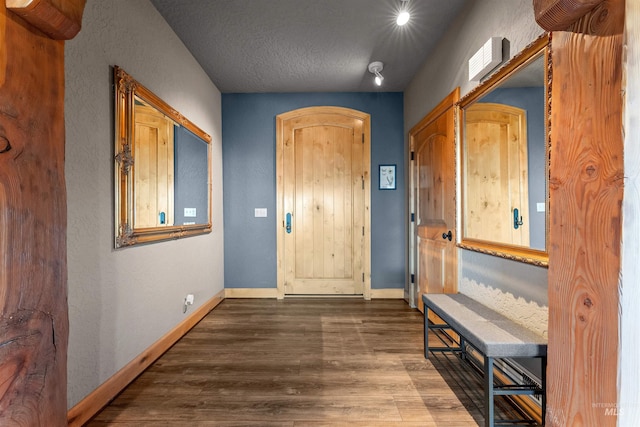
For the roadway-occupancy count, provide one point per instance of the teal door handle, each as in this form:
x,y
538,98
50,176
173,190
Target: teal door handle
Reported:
x,y
517,220
288,223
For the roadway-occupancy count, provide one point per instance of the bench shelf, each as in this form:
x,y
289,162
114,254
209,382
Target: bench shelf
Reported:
x,y
493,336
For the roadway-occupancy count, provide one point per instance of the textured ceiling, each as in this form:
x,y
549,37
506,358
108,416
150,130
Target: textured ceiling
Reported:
x,y
248,46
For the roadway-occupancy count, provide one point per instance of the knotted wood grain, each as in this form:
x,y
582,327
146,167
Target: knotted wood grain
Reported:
x,y
33,270
555,15
585,190
59,19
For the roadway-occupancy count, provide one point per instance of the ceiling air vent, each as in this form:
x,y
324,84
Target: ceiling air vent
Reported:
x,y
485,59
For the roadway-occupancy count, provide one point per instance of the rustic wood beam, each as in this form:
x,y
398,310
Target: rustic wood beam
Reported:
x,y
34,325
59,19
629,369
555,15
585,191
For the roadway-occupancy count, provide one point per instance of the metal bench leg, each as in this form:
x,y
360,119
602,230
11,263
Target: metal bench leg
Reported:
x,y
544,389
426,332
488,392
463,349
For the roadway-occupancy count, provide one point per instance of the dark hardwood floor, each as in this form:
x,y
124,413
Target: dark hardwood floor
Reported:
x,y
301,362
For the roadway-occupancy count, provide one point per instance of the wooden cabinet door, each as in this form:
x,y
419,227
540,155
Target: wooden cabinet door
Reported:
x,y
434,198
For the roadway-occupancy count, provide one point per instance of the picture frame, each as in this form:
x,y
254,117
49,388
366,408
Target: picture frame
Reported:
x,y
387,177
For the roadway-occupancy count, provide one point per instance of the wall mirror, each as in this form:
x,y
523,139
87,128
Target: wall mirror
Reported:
x,y
162,168
503,135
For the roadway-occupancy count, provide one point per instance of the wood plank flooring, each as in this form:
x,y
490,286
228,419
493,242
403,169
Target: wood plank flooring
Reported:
x,y
301,362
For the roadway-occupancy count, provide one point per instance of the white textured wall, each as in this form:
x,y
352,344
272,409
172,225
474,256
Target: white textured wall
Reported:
x,y
518,308
629,350
122,301
447,65
517,290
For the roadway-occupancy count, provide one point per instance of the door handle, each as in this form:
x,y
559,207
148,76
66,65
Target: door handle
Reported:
x,y
288,222
516,223
448,235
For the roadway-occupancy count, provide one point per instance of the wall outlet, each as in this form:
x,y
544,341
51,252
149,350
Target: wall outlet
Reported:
x,y
187,302
189,212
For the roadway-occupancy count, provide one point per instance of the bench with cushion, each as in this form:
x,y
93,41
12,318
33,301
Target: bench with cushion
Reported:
x,y
491,334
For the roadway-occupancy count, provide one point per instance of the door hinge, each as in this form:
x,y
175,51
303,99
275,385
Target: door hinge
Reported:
x,y
413,278
363,277
413,155
413,217
363,138
363,231
362,182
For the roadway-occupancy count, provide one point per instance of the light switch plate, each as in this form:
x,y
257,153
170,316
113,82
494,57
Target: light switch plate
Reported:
x,y
540,207
260,212
190,212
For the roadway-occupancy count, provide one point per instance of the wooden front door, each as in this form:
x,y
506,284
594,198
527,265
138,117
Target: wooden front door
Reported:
x,y
496,174
153,171
434,200
323,193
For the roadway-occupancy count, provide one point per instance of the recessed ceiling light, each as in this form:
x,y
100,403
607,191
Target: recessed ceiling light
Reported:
x,y
403,14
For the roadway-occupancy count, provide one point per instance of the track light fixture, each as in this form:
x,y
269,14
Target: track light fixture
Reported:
x,y
375,68
403,14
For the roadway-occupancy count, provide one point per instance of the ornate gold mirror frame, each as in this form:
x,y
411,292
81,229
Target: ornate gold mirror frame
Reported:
x,y
129,97
478,186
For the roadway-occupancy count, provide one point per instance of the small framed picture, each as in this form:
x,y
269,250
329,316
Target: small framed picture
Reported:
x,y
387,177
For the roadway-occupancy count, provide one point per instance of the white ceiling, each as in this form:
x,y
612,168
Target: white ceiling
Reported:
x,y
249,46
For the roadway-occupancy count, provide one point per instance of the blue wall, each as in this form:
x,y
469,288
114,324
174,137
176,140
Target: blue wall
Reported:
x,y
191,189
248,153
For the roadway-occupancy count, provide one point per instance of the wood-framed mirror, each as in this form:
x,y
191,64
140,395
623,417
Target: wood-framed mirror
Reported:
x,y
504,159
162,168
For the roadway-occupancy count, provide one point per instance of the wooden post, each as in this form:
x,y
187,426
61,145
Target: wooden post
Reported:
x,y
561,14
33,269
629,378
585,190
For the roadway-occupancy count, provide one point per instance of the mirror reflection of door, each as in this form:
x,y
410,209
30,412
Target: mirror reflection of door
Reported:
x,y
153,169
496,174
162,168
324,204
433,145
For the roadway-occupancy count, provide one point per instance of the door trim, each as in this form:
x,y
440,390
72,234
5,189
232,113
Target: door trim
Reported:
x,y
280,230
447,103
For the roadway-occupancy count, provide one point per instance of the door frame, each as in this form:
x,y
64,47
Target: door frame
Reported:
x,y
280,226
448,102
